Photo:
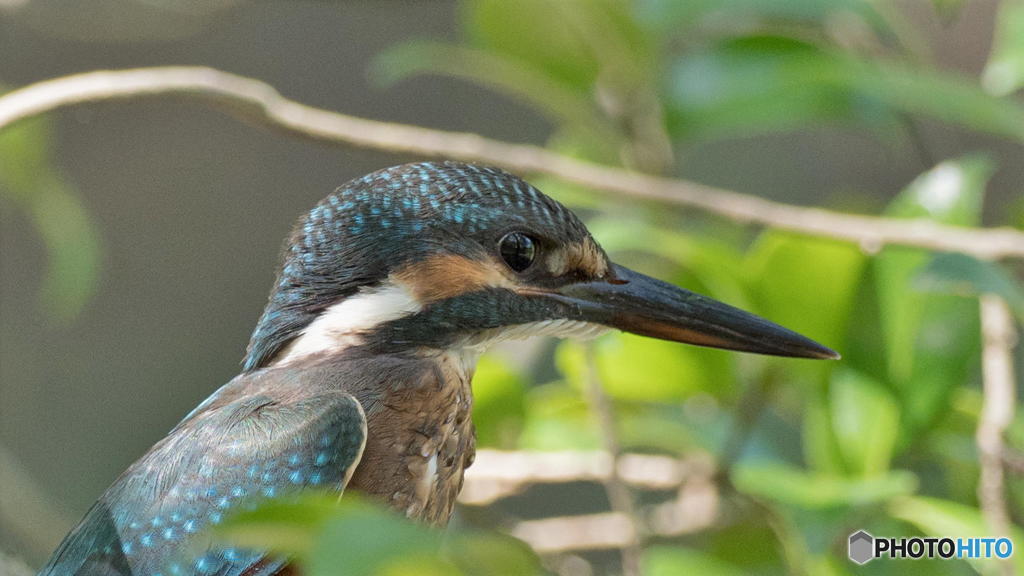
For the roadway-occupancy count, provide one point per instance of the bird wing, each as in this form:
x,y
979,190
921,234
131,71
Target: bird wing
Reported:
x,y
226,455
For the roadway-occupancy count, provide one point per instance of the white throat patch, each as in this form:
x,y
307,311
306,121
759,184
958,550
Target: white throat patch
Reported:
x,y
343,324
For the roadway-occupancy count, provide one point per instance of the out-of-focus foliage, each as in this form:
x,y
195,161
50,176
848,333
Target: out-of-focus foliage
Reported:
x,y
886,435
352,537
808,451
1005,71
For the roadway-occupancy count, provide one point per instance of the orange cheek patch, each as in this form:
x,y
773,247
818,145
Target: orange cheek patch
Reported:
x,y
448,275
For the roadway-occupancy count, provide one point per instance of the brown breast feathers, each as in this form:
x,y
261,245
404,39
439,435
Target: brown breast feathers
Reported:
x,y
420,439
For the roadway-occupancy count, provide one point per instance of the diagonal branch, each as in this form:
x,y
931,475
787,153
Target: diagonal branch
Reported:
x,y
262,104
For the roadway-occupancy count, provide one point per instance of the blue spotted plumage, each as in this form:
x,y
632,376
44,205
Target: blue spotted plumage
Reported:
x,y
229,455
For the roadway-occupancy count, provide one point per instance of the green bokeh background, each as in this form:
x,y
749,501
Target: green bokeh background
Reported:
x,y
138,239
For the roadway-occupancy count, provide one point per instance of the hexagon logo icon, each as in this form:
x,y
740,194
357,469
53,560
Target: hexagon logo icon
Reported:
x,y
861,547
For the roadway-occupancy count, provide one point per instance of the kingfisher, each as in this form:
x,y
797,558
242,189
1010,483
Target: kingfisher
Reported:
x,y
357,376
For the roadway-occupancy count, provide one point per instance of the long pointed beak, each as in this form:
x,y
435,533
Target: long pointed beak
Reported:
x,y
636,303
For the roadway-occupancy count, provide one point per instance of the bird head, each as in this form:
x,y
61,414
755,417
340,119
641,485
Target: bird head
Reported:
x,y
436,256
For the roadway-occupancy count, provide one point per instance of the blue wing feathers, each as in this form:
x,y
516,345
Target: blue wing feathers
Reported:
x,y
224,456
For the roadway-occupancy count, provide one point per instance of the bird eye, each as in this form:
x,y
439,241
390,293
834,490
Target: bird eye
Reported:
x,y
518,250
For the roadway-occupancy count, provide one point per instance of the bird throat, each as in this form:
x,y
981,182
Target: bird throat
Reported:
x,y
343,325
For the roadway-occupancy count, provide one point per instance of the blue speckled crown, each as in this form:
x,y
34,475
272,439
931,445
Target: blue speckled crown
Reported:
x,y
355,236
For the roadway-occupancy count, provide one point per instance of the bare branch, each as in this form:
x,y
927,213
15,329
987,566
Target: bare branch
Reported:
x,y
999,338
261,103
496,474
694,509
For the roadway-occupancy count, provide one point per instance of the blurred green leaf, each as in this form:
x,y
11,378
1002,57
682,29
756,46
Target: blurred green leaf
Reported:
x,y
806,284
674,561
279,526
965,275
25,156
365,541
717,265
942,518
576,41
757,84
809,490
1004,72
353,537
586,64
951,193
557,418
866,421
771,83
645,369
490,554
560,101
750,544
945,97
820,443
931,339
536,32
499,402
72,242
664,15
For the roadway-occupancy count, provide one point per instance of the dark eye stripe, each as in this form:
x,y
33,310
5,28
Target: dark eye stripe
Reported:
x,y
517,250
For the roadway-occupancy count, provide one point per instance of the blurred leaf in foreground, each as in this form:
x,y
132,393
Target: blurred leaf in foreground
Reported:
x,y
672,561
353,537
797,488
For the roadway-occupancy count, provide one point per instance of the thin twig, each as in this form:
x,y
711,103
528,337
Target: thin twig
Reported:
x,y
262,104
619,496
999,338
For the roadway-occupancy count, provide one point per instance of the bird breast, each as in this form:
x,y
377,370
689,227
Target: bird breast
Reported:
x,y
420,440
